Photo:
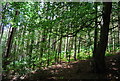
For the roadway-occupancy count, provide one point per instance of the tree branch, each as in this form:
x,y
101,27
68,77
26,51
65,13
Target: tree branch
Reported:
x,y
75,32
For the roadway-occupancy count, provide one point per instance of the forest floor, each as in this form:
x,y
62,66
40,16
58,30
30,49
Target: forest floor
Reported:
x,y
77,70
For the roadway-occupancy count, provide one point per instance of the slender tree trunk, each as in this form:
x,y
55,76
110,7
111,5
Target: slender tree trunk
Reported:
x,y
79,46
59,51
8,48
119,23
54,46
1,31
111,39
9,43
10,38
56,51
31,48
67,47
1,27
43,43
100,51
89,43
32,42
48,60
95,32
75,49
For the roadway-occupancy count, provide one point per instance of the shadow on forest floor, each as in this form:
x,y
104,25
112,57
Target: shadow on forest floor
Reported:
x,y
78,70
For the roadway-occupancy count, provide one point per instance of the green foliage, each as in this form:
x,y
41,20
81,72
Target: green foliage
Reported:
x,y
39,29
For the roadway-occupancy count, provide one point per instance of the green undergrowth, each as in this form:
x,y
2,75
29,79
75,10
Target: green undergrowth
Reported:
x,y
26,64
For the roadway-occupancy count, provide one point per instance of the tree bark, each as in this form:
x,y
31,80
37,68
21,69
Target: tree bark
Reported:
x,y
100,51
59,51
75,48
119,23
9,43
95,32
43,40
79,44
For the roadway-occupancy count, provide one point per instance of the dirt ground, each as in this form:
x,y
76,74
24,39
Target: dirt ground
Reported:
x,y
80,70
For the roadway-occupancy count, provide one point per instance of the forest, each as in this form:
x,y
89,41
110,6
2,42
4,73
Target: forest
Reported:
x,y
60,41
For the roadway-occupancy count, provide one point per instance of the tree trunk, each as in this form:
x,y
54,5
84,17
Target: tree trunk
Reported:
x,y
43,40
79,45
8,50
31,48
48,60
66,47
119,23
100,51
59,51
9,43
95,32
75,49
